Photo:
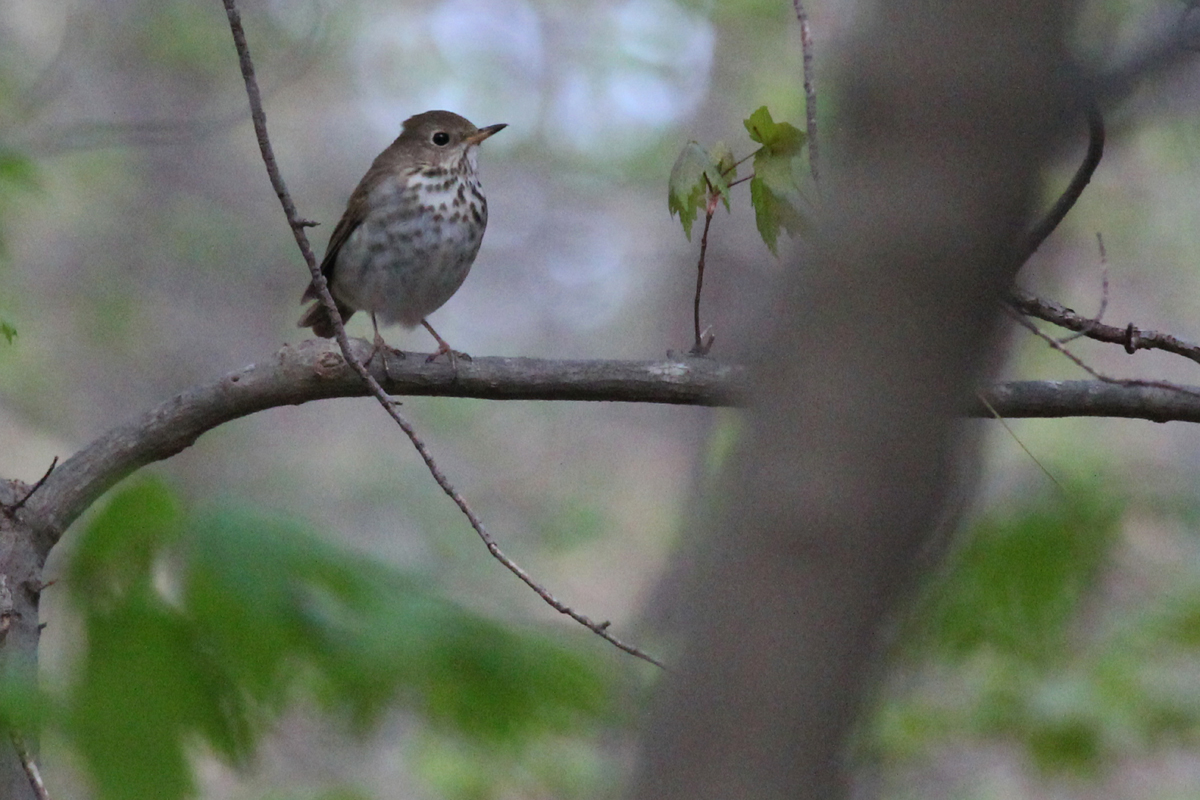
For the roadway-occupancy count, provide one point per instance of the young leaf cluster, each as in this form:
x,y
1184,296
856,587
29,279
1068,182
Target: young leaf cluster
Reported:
x,y
701,177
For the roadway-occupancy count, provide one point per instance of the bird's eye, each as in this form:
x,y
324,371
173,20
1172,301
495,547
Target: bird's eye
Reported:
x,y
441,138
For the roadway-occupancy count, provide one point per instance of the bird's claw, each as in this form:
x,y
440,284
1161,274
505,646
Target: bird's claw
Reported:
x,y
383,347
454,355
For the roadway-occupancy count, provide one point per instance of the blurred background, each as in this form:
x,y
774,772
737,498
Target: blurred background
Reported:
x,y
144,252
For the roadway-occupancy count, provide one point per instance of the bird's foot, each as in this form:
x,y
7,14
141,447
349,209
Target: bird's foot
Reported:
x,y
382,347
454,355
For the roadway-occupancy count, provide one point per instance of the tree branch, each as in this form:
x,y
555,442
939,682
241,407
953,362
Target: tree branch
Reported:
x,y
314,370
1130,337
1056,399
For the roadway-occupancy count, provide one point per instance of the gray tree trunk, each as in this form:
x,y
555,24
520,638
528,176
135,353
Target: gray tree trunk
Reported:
x,y
20,585
947,113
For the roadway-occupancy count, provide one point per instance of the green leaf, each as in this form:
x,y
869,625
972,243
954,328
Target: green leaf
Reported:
x,y
271,596
116,552
774,213
24,704
775,187
17,173
205,630
149,684
726,169
1015,583
7,331
696,174
777,138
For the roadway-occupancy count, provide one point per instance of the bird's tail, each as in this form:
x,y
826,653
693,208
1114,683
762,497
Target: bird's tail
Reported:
x,y
317,318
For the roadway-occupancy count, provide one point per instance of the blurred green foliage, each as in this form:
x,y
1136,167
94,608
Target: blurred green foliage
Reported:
x,y
17,176
1000,646
183,36
16,171
1015,583
331,794
463,769
206,628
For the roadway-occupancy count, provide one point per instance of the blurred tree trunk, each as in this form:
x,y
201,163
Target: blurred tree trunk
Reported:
x,y
948,112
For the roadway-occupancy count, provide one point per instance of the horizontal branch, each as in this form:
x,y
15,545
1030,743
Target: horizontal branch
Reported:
x,y
315,370
1057,399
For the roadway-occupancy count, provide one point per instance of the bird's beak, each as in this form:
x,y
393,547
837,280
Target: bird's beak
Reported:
x,y
483,133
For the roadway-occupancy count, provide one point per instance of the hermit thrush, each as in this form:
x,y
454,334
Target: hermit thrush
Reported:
x,y
411,229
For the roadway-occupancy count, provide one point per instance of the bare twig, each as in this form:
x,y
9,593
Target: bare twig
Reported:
x,y
315,370
1061,399
15,507
297,225
1130,336
1127,382
1103,293
30,766
810,90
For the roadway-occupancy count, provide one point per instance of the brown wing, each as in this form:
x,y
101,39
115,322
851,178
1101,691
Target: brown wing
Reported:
x,y
356,212
315,316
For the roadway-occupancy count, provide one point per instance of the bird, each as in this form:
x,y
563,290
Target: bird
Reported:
x,y
410,232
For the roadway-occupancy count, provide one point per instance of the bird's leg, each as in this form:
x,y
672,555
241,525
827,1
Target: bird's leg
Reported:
x,y
443,347
381,346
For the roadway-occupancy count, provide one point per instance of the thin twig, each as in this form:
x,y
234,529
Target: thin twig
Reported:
x,y
1131,337
810,90
704,339
31,767
297,225
1128,382
15,507
1103,293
